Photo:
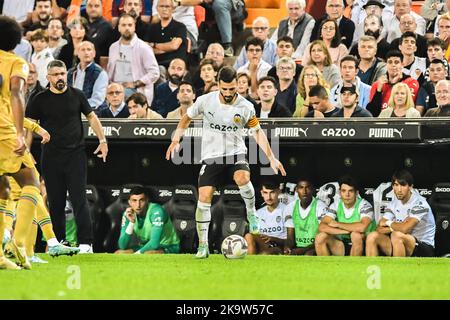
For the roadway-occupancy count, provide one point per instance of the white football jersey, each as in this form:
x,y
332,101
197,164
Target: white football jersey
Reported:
x,y
329,193
272,224
365,210
223,124
321,210
381,198
417,207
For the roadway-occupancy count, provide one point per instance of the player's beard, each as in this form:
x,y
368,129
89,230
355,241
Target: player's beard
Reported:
x,y
175,79
60,84
375,34
228,99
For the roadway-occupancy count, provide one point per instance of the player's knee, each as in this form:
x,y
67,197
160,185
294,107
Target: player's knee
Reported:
x,y
205,197
372,237
242,178
396,235
321,238
356,237
249,238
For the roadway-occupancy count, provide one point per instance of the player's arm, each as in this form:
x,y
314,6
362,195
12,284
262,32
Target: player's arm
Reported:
x,y
33,126
18,107
382,227
96,125
354,226
324,226
158,217
278,241
126,231
261,139
405,226
290,240
185,121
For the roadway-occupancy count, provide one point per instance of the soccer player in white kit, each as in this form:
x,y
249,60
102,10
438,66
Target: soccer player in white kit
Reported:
x,y
407,227
225,115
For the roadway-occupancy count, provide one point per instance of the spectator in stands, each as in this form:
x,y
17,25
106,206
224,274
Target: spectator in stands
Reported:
x,y
222,15
243,86
334,10
320,103
272,231
146,227
444,32
426,98
166,93
408,24
298,26
186,97
402,7
433,26
214,52
302,219
407,227
42,55
115,106
349,104
287,86
100,31
132,62
413,66
269,107
401,104
134,9
168,38
435,50
208,74
309,77
320,57
349,70
212,86
78,33
370,67
345,222
143,8
381,90
373,8
442,99
139,108
10,8
256,67
24,49
183,13
43,12
55,36
260,30
431,9
33,87
373,27
88,76
285,48
362,8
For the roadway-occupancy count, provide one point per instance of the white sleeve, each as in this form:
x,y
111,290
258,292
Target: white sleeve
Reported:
x,y
331,211
418,211
196,109
287,212
388,213
321,210
366,210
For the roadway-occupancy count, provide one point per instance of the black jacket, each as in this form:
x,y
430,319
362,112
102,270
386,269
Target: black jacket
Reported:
x,y
346,29
277,111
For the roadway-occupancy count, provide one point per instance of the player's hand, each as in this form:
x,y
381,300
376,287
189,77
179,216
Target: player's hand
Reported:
x,y
45,135
103,149
129,213
380,82
277,166
266,239
174,147
334,224
20,146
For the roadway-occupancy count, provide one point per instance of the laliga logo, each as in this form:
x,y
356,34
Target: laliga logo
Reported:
x,y
385,133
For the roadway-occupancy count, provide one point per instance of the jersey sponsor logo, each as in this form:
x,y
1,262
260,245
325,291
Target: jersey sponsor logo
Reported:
x,y
291,132
149,131
223,127
338,132
305,240
183,191
385,133
108,131
271,229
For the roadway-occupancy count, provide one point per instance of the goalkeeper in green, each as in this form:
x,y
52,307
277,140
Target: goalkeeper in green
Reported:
x,y
146,227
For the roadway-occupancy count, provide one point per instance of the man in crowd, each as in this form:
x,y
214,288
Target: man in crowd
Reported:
x,y
115,106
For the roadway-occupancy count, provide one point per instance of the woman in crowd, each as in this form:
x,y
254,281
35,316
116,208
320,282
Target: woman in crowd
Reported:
x,y
77,34
401,104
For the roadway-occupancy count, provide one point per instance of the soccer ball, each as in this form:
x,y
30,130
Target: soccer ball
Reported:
x,y
234,247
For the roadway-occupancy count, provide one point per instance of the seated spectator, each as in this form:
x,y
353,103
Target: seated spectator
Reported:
x,y
88,76
320,102
408,24
426,98
208,74
302,219
186,97
402,7
401,104
168,38
260,30
143,8
19,13
442,100
42,55
24,49
243,86
213,86
132,62
43,13
287,86
413,66
55,36
139,107
371,68
349,71
256,67
166,93
334,10
115,106
269,107
33,87
362,8
77,34
272,231
298,26
349,104
436,50
309,77
214,52
381,90
146,227
133,8
320,57
285,48
100,30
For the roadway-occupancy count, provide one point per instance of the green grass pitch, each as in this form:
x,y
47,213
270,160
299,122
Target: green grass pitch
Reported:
x,y
108,276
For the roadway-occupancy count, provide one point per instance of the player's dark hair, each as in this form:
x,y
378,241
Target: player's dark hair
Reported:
x,y
438,61
305,178
253,41
403,177
205,62
285,39
394,53
138,98
186,83
268,78
10,33
57,64
138,190
350,58
436,42
227,74
348,180
318,91
245,74
270,185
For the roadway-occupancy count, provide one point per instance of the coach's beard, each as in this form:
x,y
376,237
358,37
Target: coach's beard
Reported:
x,y
60,85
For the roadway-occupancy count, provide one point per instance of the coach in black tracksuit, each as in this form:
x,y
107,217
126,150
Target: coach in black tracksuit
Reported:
x,y
63,159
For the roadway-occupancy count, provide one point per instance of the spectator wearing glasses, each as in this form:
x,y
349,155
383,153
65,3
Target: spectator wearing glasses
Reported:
x,y
402,7
287,91
115,106
408,24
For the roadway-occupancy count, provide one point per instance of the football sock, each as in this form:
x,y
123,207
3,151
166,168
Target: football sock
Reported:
x,y
43,219
2,224
203,218
25,212
31,239
248,194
